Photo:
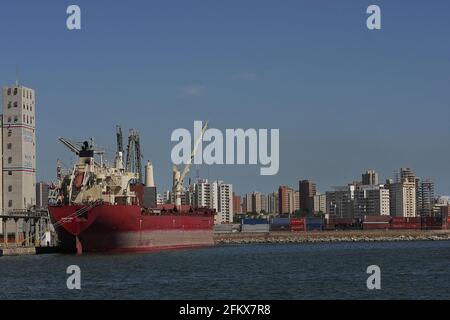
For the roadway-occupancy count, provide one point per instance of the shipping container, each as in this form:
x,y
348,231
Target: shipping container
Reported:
x,y
431,223
264,228
336,223
280,221
223,228
298,224
376,226
278,227
254,221
377,219
416,226
314,227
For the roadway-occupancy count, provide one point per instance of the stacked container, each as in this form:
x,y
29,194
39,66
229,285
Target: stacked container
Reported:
x,y
223,228
255,225
376,222
432,223
280,224
335,223
314,224
298,224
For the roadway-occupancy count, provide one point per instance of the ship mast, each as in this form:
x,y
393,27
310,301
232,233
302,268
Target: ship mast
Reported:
x,y
178,178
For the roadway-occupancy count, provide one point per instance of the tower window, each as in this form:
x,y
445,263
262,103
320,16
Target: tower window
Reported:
x,y
16,119
9,160
15,104
31,108
9,173
9,131
9,146
9,188
15,91
9,105
9,91
9,119
23,118
10,203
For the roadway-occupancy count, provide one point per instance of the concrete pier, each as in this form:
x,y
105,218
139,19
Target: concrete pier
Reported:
x,y
17,251
22,231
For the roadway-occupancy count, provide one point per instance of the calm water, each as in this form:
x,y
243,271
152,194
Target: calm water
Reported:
x,y
410,270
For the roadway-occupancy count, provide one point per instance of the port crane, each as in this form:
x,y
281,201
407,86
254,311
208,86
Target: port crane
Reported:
x,y
134,156
119,137
178,178
76,147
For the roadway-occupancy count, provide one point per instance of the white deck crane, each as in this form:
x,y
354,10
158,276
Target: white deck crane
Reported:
x,y
178,178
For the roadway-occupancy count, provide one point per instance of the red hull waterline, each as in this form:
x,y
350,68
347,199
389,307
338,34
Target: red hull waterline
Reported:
x,y
123,228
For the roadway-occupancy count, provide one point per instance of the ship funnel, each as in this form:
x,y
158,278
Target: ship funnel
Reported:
x,y
149,182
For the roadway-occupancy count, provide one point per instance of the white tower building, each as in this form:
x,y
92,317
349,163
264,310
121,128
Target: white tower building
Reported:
x,y
19,148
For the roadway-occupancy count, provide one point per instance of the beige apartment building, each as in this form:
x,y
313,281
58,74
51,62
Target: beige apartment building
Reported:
x,y
403,199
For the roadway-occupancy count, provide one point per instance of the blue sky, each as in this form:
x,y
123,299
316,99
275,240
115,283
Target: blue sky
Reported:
x,y
345,99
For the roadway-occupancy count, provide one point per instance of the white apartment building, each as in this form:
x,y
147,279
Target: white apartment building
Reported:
x,y
206,195
215,195
225,198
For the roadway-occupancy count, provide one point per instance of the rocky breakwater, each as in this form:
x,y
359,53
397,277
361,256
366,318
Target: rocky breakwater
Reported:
x,y
333,236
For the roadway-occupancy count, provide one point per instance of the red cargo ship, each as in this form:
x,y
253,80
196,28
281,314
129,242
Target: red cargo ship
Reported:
x,y
103,227
107,209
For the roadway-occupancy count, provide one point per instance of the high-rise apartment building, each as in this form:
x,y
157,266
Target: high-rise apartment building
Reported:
x,y
272,203
237,204
425,198
296,201
42,189
256,202
403,198
248,203
340,201
307,191
370,178
320,204
225,199
371,200
285,200
206,194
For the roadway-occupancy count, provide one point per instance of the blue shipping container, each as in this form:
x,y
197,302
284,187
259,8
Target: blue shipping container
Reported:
x,y
314,226
254,221
280,221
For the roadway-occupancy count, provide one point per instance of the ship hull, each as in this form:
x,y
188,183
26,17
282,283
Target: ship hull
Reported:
x,y
122,228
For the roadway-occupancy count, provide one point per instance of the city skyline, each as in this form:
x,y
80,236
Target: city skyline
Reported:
x,y
154,70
